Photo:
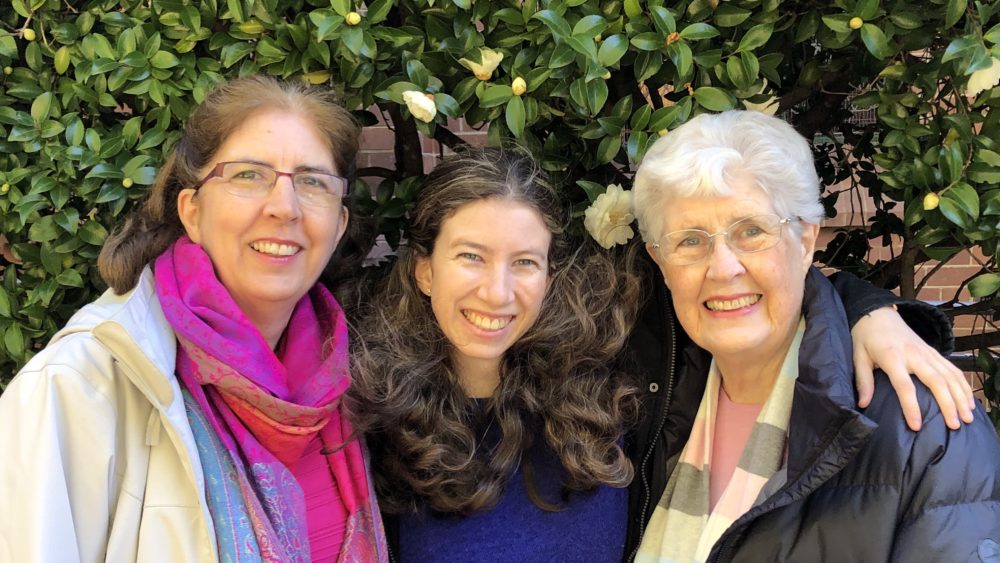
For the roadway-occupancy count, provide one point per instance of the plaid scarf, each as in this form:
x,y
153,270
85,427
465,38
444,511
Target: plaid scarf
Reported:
x,y
682,527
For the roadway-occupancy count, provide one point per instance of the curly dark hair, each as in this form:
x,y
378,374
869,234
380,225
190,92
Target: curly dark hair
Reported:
x,y
556,381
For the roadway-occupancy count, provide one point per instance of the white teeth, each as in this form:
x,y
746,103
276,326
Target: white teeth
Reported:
x,y
732,304
487,323
274,248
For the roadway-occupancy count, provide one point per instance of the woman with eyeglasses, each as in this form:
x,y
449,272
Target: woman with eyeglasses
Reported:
x,y
193,412
767,456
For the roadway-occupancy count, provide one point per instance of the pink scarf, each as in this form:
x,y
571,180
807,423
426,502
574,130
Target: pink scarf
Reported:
x,y
265,407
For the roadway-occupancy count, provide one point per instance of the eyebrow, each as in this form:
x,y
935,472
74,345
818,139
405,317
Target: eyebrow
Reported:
x,y
483,248
732,219
303,168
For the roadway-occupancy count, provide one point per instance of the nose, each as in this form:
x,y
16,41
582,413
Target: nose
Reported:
x,y
282,201
496,288
723,262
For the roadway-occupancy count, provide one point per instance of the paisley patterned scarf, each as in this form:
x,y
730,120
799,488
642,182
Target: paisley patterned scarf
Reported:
x,y
254,410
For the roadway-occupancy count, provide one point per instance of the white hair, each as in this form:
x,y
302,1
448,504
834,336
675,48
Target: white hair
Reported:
x,y
701,156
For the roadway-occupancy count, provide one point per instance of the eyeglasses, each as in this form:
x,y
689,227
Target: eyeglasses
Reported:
x,y
746,236
252,180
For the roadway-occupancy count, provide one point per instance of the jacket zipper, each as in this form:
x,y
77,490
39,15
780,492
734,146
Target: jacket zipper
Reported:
x,y
668,318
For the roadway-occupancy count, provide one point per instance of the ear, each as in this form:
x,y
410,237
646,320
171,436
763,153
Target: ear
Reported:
x,y
656,258
424,274
188,211
344,216
810,232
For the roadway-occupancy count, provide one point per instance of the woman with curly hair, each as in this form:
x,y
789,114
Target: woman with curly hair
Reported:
x,y
485,381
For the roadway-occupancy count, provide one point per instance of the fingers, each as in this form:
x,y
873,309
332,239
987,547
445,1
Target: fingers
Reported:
x,y
899,376
864,379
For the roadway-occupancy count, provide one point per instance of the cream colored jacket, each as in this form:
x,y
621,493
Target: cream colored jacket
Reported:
x,y
97,459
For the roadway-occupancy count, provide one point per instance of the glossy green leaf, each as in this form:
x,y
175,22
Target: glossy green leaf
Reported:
x,y
514,116
608,149
612,49
756,37
984,285
965,198
590,26
556,23
728,15
41,107
648,41
699,31
875,41
714,99
955,11
597,95
495,95
663,20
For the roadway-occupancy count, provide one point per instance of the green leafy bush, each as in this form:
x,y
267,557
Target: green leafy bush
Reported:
x,y
93,94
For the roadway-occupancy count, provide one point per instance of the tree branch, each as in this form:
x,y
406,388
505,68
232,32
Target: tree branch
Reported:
x,y
977,341
376,172
449,139
407,148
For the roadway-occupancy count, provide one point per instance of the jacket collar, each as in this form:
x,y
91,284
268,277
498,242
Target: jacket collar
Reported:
x,y
826,430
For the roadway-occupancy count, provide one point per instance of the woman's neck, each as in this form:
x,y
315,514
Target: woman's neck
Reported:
x,y
479,378
750,380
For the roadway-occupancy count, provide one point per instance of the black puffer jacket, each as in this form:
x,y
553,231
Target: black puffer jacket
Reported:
x,y
880,491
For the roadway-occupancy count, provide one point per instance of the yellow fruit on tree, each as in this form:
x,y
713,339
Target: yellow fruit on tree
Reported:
x,y
29,34
127,183
352,18
856,23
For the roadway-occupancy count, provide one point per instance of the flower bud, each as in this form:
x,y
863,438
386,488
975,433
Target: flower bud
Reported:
x,y
931,201
127,182
855,23
421,105
352,18
519,86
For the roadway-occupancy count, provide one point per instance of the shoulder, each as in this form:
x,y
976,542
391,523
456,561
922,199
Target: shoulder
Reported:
x,y
966,458
78,360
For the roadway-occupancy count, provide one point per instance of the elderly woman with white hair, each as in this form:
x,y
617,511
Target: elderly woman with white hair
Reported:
x,y
778,463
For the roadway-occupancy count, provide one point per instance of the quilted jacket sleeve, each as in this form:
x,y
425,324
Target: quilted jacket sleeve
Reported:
x,y
860,298
953,513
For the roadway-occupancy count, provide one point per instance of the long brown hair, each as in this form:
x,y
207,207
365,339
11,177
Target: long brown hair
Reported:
x,y
154,224
555,381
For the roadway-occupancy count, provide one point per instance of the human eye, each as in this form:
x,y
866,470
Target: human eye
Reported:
x,y
687,240
470,257
245,173
527,263
752,228
311,181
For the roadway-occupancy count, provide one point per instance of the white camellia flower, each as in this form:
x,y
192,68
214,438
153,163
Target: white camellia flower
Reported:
x,y
609,218
983,79
483,71
421,105
768,107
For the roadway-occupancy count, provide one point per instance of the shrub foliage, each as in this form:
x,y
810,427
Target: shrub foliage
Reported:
x,y
93,93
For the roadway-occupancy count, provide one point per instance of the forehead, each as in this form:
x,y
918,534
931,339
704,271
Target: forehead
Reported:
x,y
716,211
496,221
273,134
